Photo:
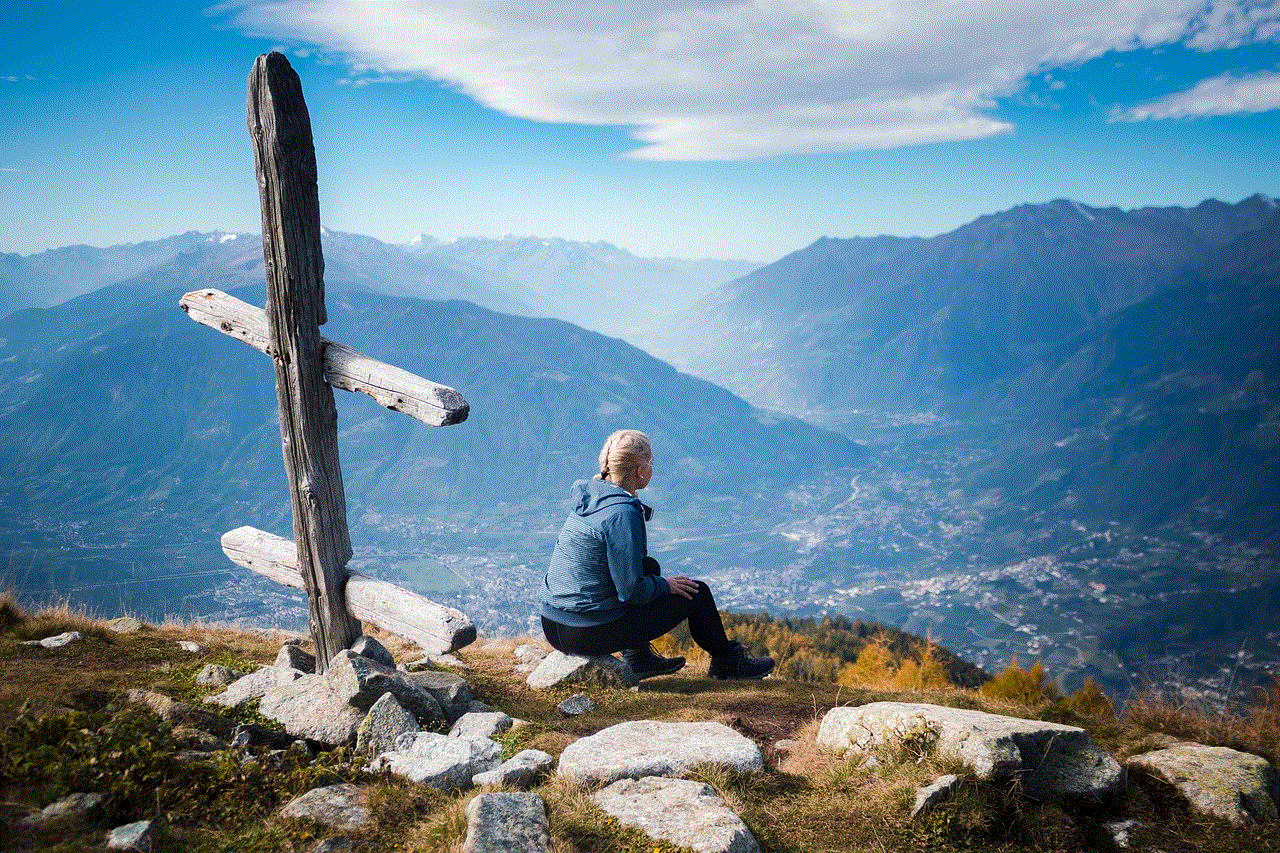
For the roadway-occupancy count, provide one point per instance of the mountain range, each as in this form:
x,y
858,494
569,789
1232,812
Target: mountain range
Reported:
x,y
1050,432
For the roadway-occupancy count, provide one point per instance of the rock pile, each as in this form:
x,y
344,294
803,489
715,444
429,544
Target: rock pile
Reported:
x,y
426,726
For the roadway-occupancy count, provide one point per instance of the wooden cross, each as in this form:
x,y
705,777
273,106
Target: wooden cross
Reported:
x,y
306,365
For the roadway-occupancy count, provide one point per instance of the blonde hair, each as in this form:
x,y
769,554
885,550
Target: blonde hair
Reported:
x,y
623,452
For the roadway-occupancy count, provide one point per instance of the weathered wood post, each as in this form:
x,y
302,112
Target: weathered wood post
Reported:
x,y
306,366
285,161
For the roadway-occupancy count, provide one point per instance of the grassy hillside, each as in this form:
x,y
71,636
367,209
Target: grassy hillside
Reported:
x,y
68,728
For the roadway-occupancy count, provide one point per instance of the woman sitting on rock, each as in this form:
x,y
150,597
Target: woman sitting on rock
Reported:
x,y
603,593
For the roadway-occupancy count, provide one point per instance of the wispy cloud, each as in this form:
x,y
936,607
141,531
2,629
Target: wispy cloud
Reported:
x,y
1226,94
739,80
10,169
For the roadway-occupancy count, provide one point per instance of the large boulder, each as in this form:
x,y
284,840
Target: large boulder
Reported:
x,y
308,708
599,671
682,811
1051,760
438,760
1238,787
641,748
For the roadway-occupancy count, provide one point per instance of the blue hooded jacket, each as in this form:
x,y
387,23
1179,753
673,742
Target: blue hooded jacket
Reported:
x,y
597,567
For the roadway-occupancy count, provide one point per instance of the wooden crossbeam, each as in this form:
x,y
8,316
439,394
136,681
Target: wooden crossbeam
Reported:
x,y
434,627
398,390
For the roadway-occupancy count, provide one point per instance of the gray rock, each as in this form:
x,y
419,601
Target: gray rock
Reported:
x,y
189,737
190,646
450,690
141,835
308,708
440,761
217,675
600,671
344,806
181,714
384,723
245,689
293,656
681,811
368,647
507,823
68,806
576,705
56,641
649,748
934,794
1238,787
519,771
1052,761
480,724
124,625
360,682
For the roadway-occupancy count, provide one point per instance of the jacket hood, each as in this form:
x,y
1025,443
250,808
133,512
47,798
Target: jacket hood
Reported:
x,y
592,496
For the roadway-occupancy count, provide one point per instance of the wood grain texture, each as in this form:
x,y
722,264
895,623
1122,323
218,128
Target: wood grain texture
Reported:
x,y
399,390
285,165
435,628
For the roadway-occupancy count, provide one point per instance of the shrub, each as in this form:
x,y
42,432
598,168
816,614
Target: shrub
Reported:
x,y
1027,687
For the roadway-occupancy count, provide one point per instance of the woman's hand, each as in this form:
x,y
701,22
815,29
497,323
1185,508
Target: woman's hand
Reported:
x,y
682,586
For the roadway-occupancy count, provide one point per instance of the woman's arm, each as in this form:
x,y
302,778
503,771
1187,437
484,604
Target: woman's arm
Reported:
x,y
624,539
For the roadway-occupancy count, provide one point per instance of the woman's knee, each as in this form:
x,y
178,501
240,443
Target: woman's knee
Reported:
x,y
703,597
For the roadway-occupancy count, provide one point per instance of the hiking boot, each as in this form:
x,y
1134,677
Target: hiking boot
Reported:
x,y
740,665
645,664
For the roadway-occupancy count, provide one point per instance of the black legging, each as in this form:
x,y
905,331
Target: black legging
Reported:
x,y
635,628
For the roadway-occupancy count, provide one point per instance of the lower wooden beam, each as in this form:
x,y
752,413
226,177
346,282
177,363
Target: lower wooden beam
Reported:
x,y
435,628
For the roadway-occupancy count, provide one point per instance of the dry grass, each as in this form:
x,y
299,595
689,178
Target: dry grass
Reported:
x,y
1255,729
806,799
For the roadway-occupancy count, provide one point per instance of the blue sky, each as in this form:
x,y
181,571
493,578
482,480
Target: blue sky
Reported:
x,y
691,129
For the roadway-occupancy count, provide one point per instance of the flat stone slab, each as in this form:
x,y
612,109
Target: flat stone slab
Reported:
x,y
1238,787
507,823
308,708
1052,761
641,748
344,806
519,771
599,671
682,811
438,760
481,724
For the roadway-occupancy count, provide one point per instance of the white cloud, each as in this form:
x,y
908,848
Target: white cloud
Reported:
x,y
731,79
1223,95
